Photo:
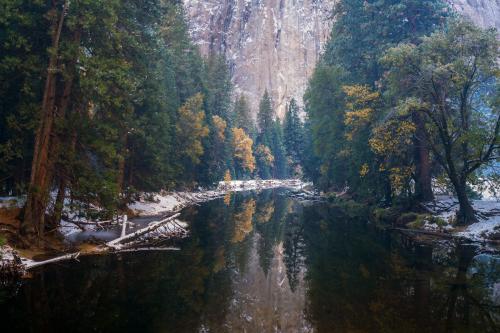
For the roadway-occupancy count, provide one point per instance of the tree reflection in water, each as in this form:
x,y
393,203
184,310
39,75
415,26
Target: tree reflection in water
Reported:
x,y
262,263
362,281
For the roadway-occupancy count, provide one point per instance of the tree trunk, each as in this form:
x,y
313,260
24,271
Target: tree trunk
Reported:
x,y
59,204
121,163
423,182
40,179
58,138
466,215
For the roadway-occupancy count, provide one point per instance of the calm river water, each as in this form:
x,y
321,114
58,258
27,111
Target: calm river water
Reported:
x,y
266,263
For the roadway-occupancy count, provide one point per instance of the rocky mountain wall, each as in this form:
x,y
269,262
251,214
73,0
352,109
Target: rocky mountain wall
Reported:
x,y
274,44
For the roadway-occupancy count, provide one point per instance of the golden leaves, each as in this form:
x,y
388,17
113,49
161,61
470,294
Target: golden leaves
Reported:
x,y
364,170
191,128
360,108
220,128
392,137
242,146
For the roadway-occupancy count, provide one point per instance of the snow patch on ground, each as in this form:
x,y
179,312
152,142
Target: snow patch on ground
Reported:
x,y
151,204
11,202
446,208
158,203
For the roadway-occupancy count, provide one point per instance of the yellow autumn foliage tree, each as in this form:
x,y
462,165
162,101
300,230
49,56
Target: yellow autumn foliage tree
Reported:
x,y
390,141
220,128
242,147
360,108
191,128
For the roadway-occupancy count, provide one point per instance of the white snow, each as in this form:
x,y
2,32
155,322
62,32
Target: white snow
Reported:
x,y
482,229
164,202
11,202
446,207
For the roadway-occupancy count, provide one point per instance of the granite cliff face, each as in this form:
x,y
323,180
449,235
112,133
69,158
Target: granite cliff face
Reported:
x,y
485,13
274,44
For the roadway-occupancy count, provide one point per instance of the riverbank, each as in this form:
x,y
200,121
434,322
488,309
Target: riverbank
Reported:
x,y
487,228
438,218
163,205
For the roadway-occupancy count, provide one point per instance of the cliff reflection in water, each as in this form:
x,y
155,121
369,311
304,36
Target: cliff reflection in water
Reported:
x,y
265,263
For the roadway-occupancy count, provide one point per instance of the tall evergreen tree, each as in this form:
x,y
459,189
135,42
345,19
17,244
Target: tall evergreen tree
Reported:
x,y
242,116
265,138
293,137
280,170
23,41
218,87
265,120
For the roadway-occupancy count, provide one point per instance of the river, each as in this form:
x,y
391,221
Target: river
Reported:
x,y
266,263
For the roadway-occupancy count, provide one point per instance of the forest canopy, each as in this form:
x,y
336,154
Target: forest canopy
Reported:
x,y
406,92
102,100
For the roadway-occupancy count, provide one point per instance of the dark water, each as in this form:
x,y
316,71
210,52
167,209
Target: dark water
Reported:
x,y
265,263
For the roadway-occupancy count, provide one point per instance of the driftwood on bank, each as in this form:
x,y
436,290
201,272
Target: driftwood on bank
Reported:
x,y
70,256
120,244
121,241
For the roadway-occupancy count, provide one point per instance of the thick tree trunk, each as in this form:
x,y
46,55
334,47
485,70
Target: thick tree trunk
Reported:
x,y
423,182
41,173
62,106
59,203
466,214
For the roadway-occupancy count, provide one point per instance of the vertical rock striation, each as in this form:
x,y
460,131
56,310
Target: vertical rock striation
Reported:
x,y
484,13
274,44
270,44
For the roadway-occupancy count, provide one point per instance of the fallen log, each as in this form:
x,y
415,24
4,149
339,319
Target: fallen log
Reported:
x,y
70,256
117,243
425,232
142,249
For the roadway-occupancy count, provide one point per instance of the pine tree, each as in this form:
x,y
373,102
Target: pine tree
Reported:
x,y
265,119
324,101
242,116
293,137
23,43
218,87
280,170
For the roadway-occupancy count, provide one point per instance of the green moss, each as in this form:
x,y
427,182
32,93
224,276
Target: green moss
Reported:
x,y
422,219
437,221
385,215
419,222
